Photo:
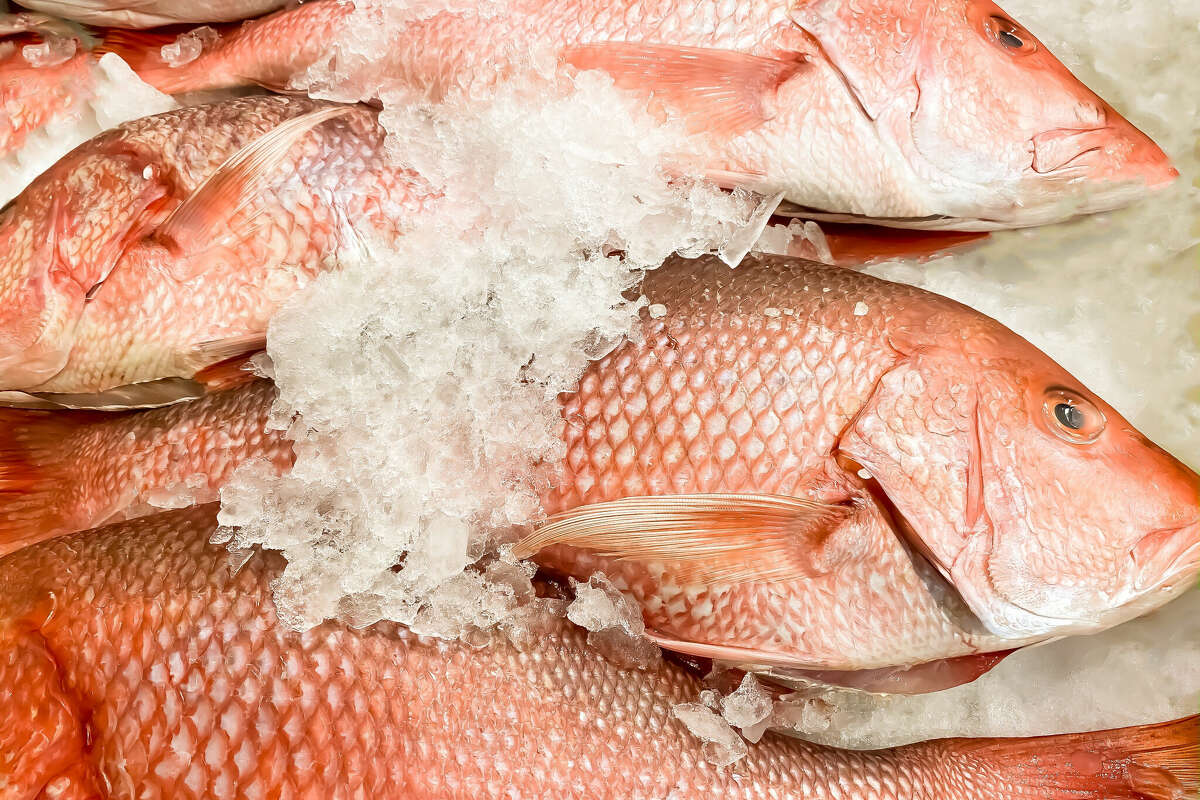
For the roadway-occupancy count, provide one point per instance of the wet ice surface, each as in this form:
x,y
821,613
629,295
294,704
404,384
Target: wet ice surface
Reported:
x,y
118,95
614,623
1116,300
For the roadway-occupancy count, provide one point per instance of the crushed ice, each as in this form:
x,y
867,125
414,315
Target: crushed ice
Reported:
x,y
426,371
116,95
1123,280
614,623
1115,299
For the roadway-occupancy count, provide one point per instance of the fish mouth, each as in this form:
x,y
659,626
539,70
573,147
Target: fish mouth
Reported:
x,y
1064,152
1176,557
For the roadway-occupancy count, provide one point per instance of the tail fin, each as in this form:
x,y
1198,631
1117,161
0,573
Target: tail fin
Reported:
x,y
35,475
1151,762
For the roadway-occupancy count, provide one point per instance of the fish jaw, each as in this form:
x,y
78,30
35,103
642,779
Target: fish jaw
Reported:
x,y
982,135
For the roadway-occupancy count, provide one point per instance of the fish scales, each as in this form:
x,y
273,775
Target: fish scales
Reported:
x,y
746,385
784,379
113,466
158,670
143,319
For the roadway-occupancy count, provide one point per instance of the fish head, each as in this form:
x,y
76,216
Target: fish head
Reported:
x,y
40,300
990,127
59,241
1043,506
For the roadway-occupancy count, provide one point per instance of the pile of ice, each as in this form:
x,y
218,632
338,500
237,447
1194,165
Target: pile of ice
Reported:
x,y
1116,300
425,372
116,95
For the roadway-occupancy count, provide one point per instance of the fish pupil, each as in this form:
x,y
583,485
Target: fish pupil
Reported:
x,y
1069,415
1010,39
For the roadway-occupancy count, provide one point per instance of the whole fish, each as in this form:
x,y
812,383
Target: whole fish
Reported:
x,y
161,248
149,13
43,75
139,662
941,114
793,468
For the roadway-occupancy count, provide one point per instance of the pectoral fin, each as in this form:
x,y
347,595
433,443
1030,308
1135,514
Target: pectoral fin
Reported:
x,y
204,219
704,538
724,92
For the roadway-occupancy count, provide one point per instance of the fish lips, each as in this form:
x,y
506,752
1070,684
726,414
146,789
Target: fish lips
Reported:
x,y
1106,154
1166,558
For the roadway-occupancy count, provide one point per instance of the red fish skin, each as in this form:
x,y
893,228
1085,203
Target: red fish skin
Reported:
x,y
31,96
64,471
269,51
154,668
91,300
749,384
994,135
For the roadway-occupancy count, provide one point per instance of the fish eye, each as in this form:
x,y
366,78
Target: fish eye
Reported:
x,y
1072,417
1010,36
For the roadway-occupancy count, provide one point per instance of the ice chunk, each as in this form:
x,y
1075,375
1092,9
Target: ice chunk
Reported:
x,y
614,622
747,705
188,46
722,745
50,52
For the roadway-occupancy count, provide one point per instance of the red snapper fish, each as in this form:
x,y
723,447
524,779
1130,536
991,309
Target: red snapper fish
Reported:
x,y
935,114
792,467
139,662
159,250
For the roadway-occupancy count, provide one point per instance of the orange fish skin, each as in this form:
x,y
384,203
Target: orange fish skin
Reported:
x,y
31,96
65,471
91,299
269,51
942,114
142,664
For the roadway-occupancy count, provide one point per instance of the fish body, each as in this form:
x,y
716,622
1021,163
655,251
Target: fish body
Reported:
x,y
938,114
165,245
746,469
44,75
149,13
66,471
938,432
142,663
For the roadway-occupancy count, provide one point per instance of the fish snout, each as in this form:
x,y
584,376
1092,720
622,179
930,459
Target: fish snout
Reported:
x,y
1116,153
1131,156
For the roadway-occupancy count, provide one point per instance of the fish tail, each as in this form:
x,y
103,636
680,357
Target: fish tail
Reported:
x,y
1148,762
36,475
142,51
